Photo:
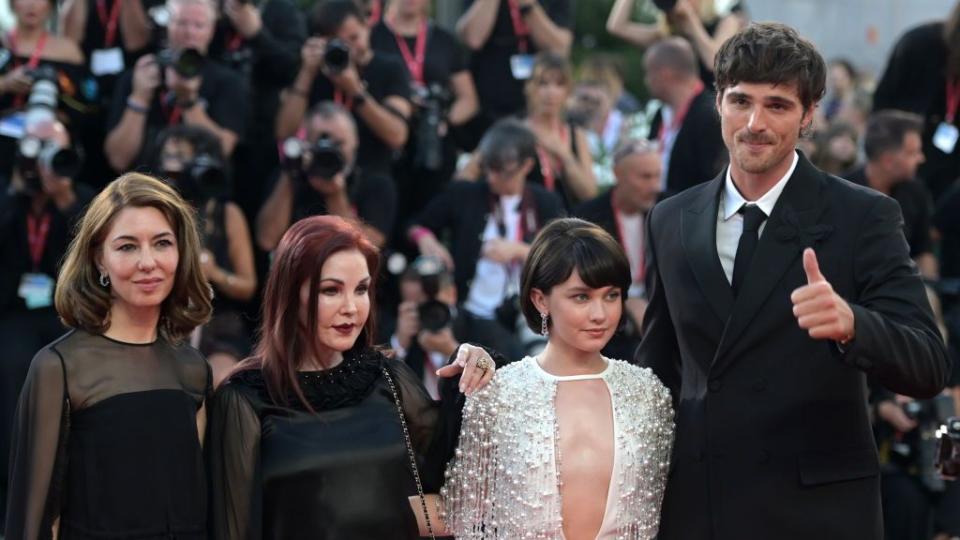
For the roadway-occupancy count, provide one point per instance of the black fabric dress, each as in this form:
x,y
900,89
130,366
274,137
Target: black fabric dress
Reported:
x,y
106,440
340,473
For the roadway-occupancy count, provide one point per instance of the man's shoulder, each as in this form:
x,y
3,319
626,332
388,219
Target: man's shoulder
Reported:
x,y
676,203
595,208
222,77
923,36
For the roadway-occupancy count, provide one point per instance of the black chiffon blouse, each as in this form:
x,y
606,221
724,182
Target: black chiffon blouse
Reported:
x,y
281,471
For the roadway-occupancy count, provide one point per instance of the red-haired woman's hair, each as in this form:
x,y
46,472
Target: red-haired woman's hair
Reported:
x,y
285,340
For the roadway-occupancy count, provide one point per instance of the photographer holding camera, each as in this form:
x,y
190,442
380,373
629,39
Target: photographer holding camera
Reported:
x,y
490,224
339,65
260,40
190,158
320,175
36,220
177,85
424,337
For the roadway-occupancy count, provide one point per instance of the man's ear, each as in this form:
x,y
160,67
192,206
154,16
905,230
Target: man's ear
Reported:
x,y
539,300
806,121
719,100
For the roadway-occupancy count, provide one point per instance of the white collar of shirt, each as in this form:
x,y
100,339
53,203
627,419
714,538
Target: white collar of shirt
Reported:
x,y
733,200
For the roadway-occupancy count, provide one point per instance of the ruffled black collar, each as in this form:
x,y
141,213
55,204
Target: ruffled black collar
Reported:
x,y
346,384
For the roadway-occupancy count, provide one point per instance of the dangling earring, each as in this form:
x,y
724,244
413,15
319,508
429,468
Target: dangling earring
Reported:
x,y
104,280
544,329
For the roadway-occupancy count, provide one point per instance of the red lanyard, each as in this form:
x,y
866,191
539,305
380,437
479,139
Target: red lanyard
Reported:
x,y
681,114
414,61
32,62
376,8
109,22
37,237
235,41
528,218
546,166
953,100
340,99
520,28
173,114
640,272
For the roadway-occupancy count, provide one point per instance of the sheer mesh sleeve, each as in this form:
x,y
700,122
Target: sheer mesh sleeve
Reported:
x,y
233,447
419,409
35,457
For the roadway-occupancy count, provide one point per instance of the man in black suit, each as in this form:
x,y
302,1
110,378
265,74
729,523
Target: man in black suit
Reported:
x,y
687,126
775,289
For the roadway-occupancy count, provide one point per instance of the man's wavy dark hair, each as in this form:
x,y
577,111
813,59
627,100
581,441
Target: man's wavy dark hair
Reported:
x,y
771,53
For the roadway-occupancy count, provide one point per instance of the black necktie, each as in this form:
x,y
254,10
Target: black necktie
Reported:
x,y
753,217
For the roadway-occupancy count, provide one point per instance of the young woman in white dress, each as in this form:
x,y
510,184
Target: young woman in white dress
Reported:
x,y
568,444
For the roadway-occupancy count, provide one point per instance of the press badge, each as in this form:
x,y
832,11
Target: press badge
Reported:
x,y
945,138
521,65
36,290
106,61
13,125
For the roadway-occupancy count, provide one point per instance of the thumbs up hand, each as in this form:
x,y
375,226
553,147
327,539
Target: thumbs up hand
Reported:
x,y
818,308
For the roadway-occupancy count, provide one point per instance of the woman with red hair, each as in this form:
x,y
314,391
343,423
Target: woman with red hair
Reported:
x,y
317,435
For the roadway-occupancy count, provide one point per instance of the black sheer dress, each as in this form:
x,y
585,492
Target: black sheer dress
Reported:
x,y
106,440
283,472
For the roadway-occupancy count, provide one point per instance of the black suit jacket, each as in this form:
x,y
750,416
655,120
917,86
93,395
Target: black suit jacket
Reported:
x,y
698,152
459,214
773,439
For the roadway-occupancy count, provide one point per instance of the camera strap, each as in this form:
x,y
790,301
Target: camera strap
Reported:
x,y
109,22
550,173
520,28
171,111
37,231
415,60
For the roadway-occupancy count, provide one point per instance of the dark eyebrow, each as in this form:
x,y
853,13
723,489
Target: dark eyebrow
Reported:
x,y
737,95
133,239
340,281
779,100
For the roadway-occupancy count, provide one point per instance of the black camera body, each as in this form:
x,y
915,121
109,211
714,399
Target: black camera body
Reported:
x,y
323,159
917,452
336,56
201,179
187,63
434,101
433,314
948,448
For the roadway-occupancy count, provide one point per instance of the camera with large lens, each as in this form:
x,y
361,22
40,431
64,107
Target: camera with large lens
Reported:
x,y
434,100
34,152
187,63
433,314
201,179
918,450
948,448
336,56
323,159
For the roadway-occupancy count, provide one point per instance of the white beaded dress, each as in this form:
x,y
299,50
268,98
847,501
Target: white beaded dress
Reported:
x,y
504,481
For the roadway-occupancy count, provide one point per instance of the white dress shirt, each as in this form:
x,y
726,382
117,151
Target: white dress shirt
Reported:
x,y
730,221
493,281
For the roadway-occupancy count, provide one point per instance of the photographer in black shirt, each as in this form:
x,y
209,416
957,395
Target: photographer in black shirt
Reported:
x,y
322,175
36,219
443,95
337,64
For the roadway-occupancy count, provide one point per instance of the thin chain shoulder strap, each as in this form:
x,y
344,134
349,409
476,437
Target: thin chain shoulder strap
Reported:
x,y
410,453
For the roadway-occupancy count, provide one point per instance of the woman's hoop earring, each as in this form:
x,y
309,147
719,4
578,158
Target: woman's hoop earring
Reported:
x,y
544,329
104,280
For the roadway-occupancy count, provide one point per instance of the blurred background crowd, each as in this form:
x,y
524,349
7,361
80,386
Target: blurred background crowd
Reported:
x,y
454,131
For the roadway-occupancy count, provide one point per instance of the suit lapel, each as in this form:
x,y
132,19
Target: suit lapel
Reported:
x,y
698,232
798,209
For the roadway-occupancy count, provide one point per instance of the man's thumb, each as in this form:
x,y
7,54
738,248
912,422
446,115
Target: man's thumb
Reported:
x,y
811,267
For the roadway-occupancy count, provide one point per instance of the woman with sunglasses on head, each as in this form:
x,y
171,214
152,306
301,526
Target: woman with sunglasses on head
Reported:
x,y
319,435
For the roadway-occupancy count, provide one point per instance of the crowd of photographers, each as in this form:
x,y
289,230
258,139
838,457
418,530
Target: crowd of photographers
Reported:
x,y
452,147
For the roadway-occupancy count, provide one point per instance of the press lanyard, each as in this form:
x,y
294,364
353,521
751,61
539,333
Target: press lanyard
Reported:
x,y
415,60
341,99
109,22
681,114
235,41
173,115
37,237
953,100
546,168
520,28
638,275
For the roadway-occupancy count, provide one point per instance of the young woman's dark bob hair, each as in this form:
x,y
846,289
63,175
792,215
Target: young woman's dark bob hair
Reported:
x,y
567,244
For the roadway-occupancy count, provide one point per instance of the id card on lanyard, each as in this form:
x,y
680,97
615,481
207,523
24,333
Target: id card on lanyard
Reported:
x,y
946,136
109,59
521,64
32,62
36,288
416,59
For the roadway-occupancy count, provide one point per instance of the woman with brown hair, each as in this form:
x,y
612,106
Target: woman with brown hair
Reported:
x,y
106,439
319,435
